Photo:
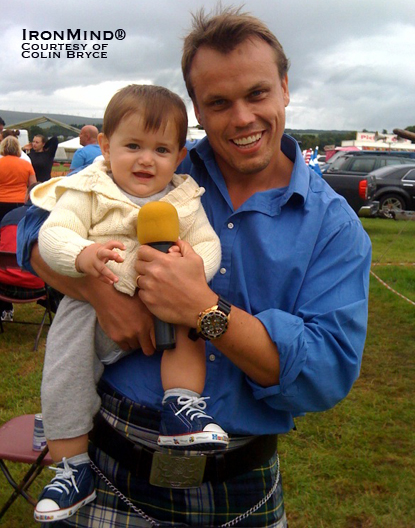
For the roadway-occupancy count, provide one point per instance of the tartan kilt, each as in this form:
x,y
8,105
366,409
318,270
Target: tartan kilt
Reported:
x,y
210,505
17,292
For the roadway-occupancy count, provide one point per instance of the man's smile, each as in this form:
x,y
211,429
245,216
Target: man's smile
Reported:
x,y
248,141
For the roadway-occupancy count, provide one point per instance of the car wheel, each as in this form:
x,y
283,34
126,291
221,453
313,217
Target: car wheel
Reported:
x,y
391,202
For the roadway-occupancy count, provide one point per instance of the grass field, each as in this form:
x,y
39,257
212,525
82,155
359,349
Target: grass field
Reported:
x,y
350,467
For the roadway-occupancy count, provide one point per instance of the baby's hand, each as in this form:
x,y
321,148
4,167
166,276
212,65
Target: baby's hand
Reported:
x,y
92,259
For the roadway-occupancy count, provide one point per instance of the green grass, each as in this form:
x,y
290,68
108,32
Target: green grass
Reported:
x,y
350,467
354,466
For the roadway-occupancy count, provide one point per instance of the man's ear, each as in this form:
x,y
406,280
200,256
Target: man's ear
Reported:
x,y
104,144
285,90
197,113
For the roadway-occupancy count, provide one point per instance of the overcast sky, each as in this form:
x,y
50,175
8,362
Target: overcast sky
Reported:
x,y
352,62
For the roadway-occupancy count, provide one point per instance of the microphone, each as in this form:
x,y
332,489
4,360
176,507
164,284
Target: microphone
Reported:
x,y
158,227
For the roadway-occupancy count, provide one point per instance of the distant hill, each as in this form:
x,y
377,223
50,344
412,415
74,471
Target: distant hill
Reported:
x,y
316,132
16,117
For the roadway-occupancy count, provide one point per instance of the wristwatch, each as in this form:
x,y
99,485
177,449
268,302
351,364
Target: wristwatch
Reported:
x,y
212,322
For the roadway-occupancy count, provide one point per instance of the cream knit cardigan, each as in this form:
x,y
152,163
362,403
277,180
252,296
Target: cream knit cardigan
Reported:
x,y
88,207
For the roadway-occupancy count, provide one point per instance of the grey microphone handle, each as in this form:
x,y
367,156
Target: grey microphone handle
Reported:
x,y
165,332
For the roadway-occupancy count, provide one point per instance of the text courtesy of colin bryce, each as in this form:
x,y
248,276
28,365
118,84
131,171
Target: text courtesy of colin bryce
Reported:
x,y
68,43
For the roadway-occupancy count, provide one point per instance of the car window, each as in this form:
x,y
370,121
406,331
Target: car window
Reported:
x,y
387,162
410,175
362,165
338,163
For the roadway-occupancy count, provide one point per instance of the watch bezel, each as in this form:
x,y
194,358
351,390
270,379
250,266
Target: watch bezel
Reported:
x,y
213,323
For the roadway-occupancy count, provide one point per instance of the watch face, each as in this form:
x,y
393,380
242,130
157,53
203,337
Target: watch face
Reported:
x,y
214,324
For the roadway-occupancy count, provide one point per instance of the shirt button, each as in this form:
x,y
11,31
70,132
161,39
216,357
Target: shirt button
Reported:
x,y
222,271
230,225
212,357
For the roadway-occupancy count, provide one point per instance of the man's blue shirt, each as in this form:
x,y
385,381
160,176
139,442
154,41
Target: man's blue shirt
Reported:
x,y
298,259
85,156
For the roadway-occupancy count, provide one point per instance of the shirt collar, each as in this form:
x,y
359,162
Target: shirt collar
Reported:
x,y
297,190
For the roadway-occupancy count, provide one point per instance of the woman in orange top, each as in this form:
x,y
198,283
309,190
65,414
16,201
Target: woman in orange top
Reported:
x,y
15,176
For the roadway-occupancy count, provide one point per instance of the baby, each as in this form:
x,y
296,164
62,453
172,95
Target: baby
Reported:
x,y
92,230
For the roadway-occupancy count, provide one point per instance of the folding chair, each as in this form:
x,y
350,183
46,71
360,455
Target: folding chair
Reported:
x,y
16,437
8,260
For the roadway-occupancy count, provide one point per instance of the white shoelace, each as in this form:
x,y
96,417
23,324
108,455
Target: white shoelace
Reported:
x,y
194,406
64,477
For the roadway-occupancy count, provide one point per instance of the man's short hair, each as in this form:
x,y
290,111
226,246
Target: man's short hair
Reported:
x,y
10,147
155,104
2,122
223,31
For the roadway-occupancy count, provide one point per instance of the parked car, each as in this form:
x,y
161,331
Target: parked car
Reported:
x,y
338,161
358,190
395,187
348,176
321,160
363,164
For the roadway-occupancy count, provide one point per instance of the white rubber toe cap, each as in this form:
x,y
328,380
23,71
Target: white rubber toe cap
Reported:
x,y
213,428
46,506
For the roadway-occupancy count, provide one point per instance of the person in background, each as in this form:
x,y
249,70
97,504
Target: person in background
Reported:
x,y
16,175
2,124
294,272
15,133
42,154
88,138
15,282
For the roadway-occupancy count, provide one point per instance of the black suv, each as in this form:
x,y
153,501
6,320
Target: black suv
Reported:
x,y
361,164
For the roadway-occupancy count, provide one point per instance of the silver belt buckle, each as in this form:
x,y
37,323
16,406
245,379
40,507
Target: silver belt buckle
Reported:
x,y
177,471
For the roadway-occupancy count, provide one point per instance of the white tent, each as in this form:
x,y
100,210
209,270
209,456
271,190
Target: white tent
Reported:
x,y
195,133
67,149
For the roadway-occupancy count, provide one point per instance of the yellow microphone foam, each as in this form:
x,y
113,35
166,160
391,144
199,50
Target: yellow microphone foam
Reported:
x,y
157,222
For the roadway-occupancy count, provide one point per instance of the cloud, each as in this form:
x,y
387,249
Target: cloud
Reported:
x,y
350,61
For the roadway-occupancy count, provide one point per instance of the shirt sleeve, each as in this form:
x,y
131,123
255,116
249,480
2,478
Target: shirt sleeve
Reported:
x,y
321,344
205,242
51,146
64,234
27,235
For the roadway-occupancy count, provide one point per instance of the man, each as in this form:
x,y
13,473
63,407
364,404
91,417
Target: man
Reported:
x,y
286,334
2,125
88,138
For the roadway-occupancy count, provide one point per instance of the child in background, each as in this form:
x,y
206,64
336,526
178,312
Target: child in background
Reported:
x,y
92,230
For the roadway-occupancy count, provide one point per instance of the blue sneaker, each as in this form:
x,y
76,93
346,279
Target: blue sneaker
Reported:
x,y
185,425
69,490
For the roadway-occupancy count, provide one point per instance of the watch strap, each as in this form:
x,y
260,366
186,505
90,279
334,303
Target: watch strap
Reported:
x,y
224,305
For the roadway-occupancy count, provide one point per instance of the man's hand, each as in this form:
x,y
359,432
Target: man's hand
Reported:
x,y
173,289
92,259
125,320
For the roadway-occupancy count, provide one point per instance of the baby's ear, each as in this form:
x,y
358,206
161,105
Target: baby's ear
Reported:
x,y
104,143
182,154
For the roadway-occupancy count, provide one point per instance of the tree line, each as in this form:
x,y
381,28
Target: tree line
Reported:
x,y
56,130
